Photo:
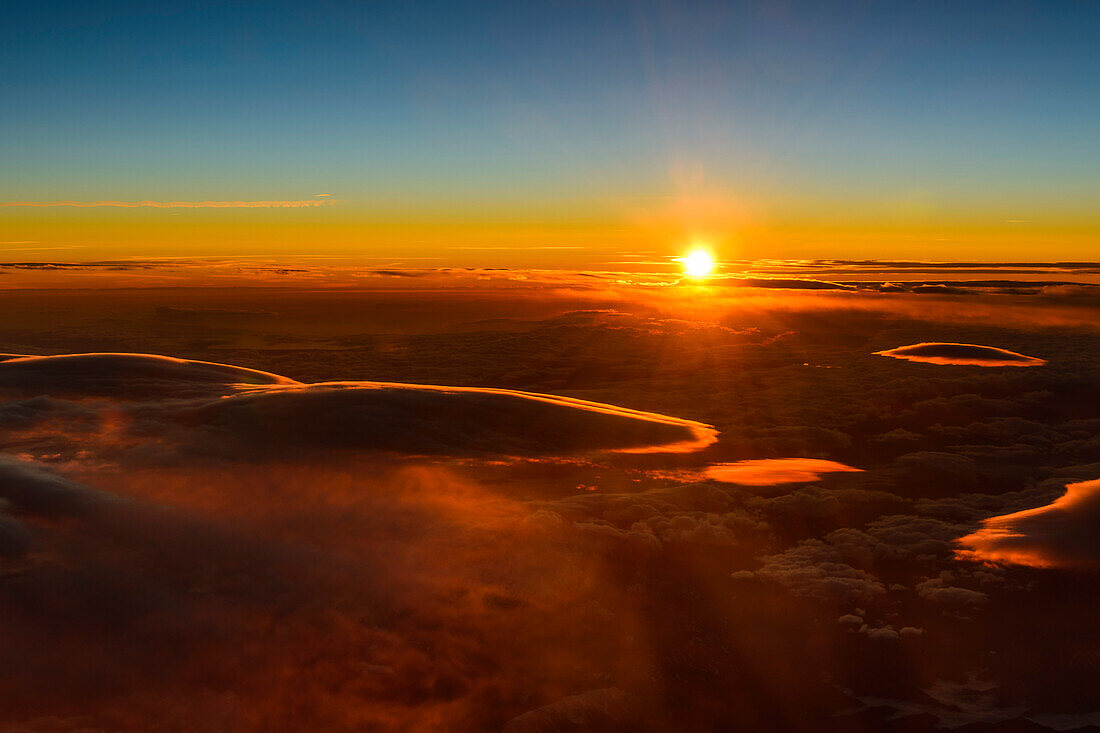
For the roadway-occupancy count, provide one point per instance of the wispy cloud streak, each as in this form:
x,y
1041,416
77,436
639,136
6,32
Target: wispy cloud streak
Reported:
x,y
174,204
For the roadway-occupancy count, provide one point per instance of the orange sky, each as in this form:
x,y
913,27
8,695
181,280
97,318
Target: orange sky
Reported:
x,y
569,238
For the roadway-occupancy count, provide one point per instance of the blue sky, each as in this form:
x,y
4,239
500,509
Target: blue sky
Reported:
x,y
554,107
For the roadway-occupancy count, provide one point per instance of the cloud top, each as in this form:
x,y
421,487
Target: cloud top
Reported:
x,y
961,354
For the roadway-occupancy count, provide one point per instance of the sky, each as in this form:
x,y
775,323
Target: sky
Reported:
x,y
549,134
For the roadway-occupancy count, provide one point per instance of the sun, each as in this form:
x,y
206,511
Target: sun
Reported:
x,y
698,263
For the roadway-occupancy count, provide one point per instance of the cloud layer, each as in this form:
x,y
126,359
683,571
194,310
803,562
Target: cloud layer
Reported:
x,y
197,546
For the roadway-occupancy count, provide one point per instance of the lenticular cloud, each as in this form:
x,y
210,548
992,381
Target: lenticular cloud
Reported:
x,y
773,471
432,420
961,354
125,376
239,413
1065,533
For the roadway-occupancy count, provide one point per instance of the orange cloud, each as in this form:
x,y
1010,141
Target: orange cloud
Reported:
x,y
1061,534
771,471
174,204
961,355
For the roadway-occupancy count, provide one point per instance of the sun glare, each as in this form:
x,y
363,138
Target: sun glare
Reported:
x,y
698,263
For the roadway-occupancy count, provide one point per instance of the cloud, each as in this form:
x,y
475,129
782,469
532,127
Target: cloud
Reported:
x,y
900,536
1067,721
309,599
772,471
14,537
185,314
1065,533
832,507
32,488
308,203
961,354
263,413
698,514
953,704
815,569
938,591
938,289
425,420
935,473
880,633
340,592
780,283
126,376
603,709
399,273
